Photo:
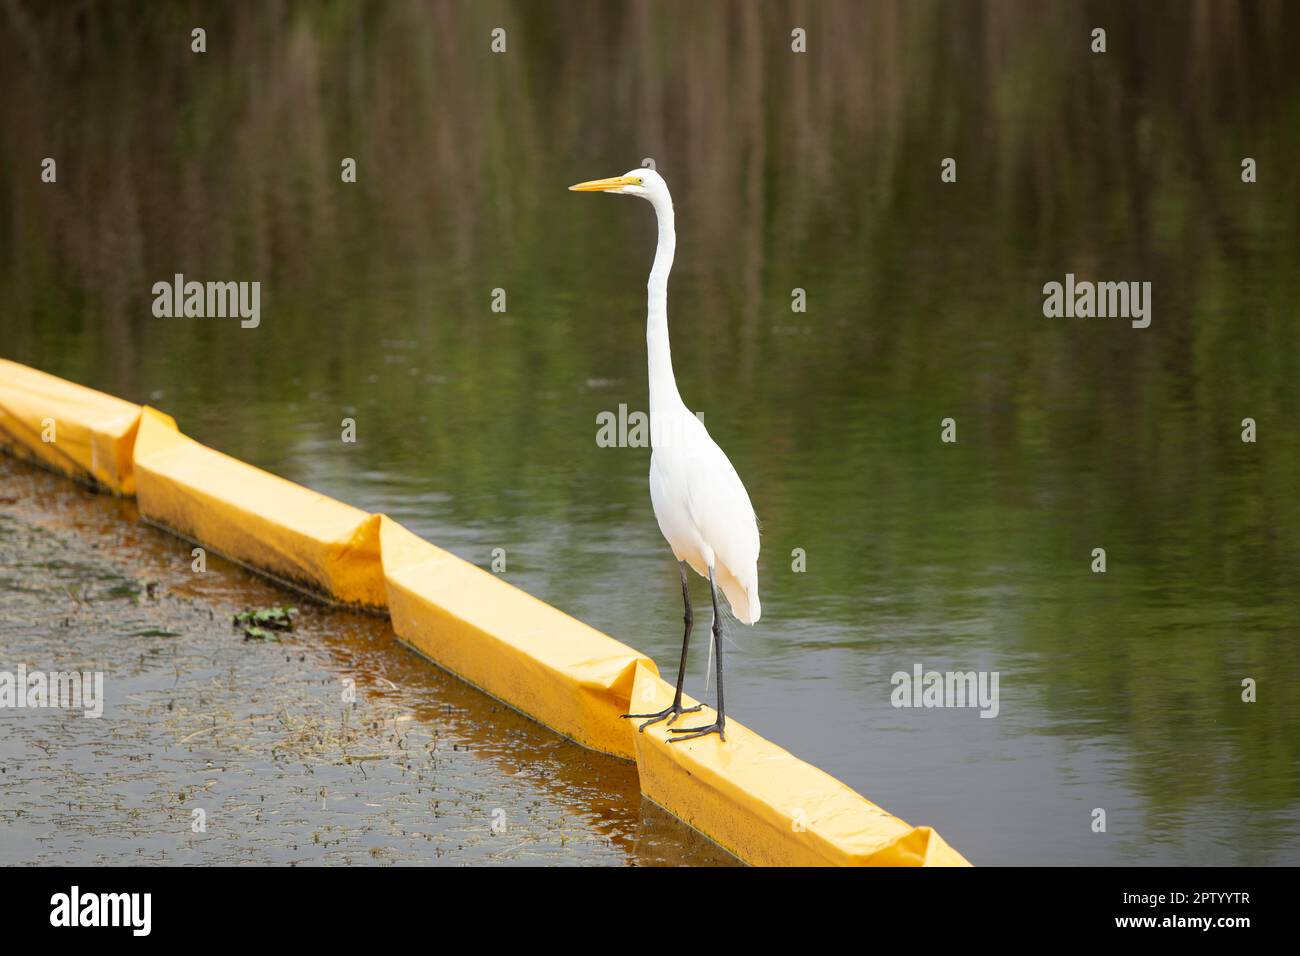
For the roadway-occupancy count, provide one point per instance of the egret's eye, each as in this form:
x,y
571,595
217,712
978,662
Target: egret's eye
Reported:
x,y
640,181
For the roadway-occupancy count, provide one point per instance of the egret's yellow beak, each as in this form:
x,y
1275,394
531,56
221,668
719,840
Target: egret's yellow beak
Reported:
x,y
603,185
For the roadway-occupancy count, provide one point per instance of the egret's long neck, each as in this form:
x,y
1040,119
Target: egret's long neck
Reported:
x,y
663,386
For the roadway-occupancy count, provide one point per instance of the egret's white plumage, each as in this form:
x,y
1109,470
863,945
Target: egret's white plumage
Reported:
x,y
700,502
701,505
704,512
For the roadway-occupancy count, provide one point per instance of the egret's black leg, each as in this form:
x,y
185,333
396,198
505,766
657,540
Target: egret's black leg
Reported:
x,y
718,726
676,710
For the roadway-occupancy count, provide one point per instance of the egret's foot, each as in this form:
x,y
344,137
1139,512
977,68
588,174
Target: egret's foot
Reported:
x,y
671,713
690,733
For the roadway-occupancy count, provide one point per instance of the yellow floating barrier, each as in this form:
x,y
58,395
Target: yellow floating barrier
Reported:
x,y
77,431
763,804
539,660
751,797
242,512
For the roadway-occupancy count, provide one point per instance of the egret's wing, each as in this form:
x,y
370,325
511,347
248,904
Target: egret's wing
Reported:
x,y
721,509
670,510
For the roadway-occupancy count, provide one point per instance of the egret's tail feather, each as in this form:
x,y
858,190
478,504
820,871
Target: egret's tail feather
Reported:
x,y
745,606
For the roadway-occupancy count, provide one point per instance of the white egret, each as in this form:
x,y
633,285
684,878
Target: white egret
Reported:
x,y
701,505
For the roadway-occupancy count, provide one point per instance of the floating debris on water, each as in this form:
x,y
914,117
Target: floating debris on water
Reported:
x,y
261,624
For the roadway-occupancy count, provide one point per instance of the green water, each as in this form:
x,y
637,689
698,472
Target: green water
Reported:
x,y
818,171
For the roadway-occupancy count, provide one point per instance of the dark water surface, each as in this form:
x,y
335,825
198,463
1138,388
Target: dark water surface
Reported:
x,y
819,171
